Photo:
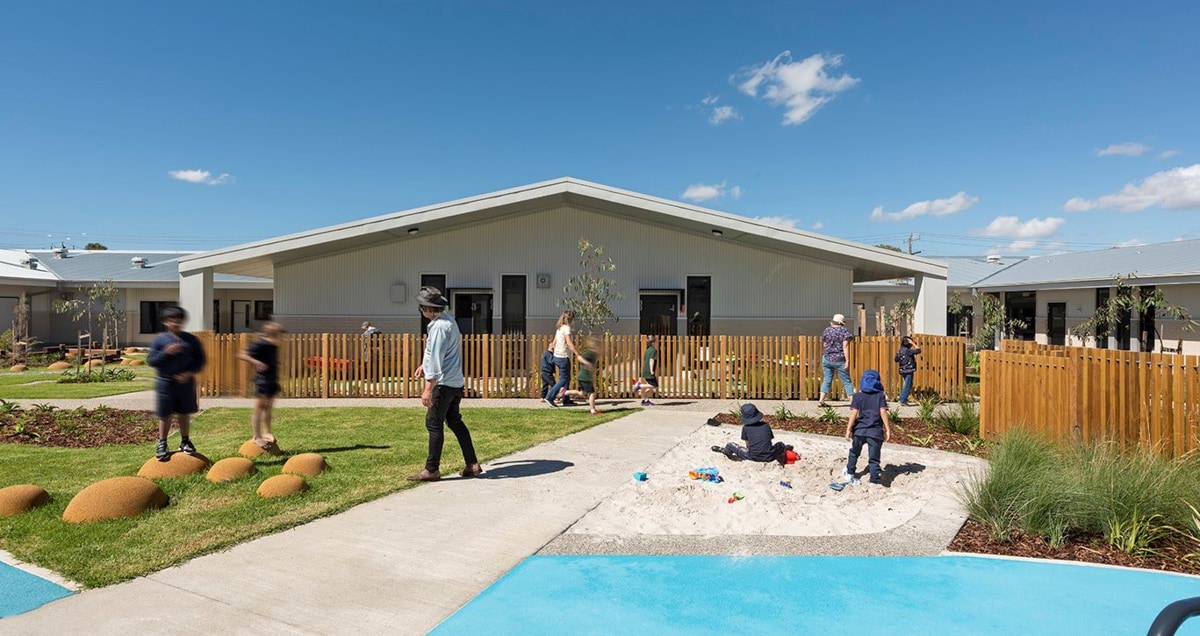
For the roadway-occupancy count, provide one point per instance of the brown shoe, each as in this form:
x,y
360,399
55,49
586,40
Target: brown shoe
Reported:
x,y
474,470
425,475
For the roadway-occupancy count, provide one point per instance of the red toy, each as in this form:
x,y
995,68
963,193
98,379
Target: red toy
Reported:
x,y
791,456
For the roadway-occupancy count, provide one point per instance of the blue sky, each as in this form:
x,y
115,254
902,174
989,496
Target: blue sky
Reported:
x,y
949,117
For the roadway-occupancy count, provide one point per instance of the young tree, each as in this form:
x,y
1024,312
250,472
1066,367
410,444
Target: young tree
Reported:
x,y
590,292
22,342
95,246
111,317
78,309
996,325
900,316
1129,300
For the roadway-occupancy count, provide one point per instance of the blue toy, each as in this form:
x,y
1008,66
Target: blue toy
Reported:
x,y
640,476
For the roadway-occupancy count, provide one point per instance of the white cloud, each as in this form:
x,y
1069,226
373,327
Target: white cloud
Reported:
x,y
723,113
1167,154
934,207
782,222
818,226
201,176
709,100
801,87
1129,149
700,192
1178,188
1013,227
1020,245
1130,243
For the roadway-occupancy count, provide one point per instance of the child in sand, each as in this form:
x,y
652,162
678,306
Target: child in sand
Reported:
x,y
758,436
587,372
263,355
868,425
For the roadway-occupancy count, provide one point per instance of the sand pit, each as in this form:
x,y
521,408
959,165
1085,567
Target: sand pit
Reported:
x,y
115,498
307,464
230,469
16,500
669,503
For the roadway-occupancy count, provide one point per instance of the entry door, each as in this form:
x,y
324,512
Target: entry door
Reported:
x,y
241,316
659,314
473,312
1056,323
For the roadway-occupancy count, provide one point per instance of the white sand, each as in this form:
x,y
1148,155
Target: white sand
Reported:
x,y
669,502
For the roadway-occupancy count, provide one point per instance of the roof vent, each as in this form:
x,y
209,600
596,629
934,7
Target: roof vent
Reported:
x,y
994,259
29,262
139,262
60,252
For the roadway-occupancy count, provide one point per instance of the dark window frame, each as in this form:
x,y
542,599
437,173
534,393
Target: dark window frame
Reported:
x,y
510,323
693,296
148,312
259,313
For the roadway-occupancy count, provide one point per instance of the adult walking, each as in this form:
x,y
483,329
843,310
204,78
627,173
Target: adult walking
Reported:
x,y
564,350
833,358
442,368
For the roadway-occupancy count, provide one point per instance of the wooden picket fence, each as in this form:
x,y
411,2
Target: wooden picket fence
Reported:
x,y
327,365
1133,399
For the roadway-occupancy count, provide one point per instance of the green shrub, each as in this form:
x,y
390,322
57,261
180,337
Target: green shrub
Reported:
x,y
927,407
830,416
962,417
783,414
87,376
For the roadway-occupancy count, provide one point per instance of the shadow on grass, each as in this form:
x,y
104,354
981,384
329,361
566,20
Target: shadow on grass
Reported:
x,y
277,460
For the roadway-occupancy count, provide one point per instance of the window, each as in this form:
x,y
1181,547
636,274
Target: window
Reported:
x,y
1022,306
1102,295
961,323
264,309
698,302
216,316
1056,323
512,309
1148,330
149,311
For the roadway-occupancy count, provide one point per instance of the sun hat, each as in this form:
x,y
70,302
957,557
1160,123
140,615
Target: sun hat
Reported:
x,y
751,414
838,319
870,382
431,297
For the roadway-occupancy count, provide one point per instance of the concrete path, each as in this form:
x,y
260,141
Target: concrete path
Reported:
x,y
144,400
397,565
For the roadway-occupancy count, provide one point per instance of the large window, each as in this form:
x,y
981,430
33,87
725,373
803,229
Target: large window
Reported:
x,y
512,309
264,309
1022,306
148,319
698,302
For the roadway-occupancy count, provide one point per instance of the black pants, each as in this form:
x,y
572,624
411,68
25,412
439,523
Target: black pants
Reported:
x,y
742,452
873,448
444,411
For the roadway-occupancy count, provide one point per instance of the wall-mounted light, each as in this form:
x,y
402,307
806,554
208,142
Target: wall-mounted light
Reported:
x,y
718,233
413,230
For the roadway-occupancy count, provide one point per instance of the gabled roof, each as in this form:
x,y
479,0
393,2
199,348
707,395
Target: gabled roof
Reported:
x,y
964,271
162,268
258,258
1177,261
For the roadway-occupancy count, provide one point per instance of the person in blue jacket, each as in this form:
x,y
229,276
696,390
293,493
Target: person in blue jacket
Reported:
x,y
177,356
868,425
906,357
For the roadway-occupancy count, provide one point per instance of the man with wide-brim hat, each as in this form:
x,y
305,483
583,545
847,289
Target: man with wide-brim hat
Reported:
x,y
441,367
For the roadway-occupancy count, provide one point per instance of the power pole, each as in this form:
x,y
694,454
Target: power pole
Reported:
x,y
912,237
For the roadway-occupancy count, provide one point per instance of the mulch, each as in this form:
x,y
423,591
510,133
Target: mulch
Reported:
x,y
1171,557
79,428
909,432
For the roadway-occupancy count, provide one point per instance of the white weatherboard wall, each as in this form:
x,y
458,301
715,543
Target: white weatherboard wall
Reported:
x,y
753,290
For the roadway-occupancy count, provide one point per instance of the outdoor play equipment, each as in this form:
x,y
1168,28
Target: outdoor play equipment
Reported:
x,y
706,474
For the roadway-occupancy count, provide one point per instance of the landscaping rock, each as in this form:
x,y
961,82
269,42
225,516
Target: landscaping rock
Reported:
x,y
129,350
282,486
92,364
307,464
230,469
134,362
179,465
60,366
16,500
18,368
114,499
251,450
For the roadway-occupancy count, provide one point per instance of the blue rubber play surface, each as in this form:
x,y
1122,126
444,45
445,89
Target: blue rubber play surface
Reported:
x,y
21,591
817,595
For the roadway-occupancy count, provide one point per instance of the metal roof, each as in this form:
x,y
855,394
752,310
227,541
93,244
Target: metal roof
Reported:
x,y
12,268
117,266
1174,260
963,271
258,258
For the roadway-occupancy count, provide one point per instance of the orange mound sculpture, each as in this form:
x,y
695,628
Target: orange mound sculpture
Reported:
x,y
60,365
130,350
92,364
113,499
230,469
307,464
251,450
18,368
179,465
15,500
134,362
282,486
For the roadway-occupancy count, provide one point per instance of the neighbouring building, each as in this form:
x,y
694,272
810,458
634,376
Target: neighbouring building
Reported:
x,y
504,257
146,280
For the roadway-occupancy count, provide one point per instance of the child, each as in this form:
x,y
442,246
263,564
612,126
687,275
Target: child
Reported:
x,y
868,425
647,385
587,371
907,358
177,356
263,355
548,377
758,436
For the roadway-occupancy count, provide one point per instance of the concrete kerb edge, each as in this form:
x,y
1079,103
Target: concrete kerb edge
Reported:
x,y
1008,557
40,572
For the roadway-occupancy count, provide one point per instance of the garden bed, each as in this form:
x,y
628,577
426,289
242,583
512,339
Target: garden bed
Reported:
x,y
1171,557
909,432
78,428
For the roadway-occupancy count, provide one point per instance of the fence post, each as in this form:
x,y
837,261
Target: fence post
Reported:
x,y
983,394
487,364
324,365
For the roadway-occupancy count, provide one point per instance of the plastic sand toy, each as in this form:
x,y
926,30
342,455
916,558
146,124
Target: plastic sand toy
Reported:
x,y
785,484
640,476
706,474
737,496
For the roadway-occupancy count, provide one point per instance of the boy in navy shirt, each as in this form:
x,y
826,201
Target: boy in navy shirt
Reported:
x,y
177,356
868,425
263,355
758,436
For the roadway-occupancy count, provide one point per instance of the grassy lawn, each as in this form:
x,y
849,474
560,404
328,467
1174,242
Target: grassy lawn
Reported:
x,y
370,451
51,390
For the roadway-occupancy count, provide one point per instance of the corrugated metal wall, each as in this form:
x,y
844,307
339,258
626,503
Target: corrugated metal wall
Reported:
x,y
747,282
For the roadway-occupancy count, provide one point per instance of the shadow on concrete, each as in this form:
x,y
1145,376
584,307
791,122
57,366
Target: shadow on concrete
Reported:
x,y
523,468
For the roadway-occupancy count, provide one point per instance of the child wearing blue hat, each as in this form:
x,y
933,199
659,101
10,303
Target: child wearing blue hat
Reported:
x,y
868,425
758,436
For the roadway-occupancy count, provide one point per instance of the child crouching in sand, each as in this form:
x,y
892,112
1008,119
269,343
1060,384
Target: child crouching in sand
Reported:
x,y
758,436
868,425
